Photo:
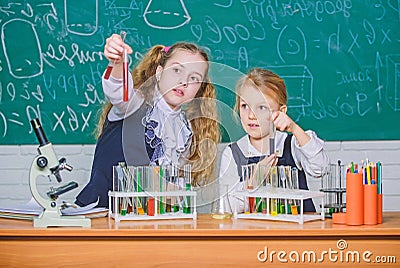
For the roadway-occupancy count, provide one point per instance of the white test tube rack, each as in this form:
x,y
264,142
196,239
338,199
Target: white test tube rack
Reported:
x,y
134,187
285,194
114,202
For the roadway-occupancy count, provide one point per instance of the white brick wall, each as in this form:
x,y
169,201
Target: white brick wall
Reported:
x,y
15,162
388,152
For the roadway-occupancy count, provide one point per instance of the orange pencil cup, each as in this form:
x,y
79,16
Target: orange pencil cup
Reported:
x,y
354,199
380,209
370,204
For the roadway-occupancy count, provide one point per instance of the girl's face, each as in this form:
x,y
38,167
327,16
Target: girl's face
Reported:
x,y
256,112
181,77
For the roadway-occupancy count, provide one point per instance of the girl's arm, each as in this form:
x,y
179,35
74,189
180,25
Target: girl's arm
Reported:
x,y
113,90
307,149
113,86
311,156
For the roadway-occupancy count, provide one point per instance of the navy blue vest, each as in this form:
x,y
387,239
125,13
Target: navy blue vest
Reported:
x,y
285,160
120,141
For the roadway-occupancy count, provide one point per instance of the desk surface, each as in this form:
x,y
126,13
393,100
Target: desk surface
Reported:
x,y
205,226
205,242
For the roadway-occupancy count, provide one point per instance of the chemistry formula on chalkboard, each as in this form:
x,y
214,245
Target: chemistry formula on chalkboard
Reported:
x,y
339,59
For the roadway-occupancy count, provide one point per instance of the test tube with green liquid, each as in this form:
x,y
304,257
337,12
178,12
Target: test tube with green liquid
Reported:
x,y
187,173
174,181
124,181
260,184
162,205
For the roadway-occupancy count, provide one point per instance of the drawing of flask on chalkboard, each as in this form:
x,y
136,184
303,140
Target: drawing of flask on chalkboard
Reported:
x,y
81,17
21,48
162,14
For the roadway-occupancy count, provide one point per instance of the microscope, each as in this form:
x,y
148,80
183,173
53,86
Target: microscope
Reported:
x,y
46,164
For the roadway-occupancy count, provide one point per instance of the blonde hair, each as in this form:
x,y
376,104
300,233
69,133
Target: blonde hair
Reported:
x,y
268,82
201,112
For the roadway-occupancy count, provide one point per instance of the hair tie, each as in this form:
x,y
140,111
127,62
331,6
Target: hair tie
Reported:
x,y
166,49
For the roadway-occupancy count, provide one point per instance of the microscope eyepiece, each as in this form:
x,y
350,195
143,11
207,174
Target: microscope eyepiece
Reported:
x,y
37,127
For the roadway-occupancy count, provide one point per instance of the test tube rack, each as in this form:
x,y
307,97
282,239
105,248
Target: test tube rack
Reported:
x,y
283,194
333,184
115,200
152,193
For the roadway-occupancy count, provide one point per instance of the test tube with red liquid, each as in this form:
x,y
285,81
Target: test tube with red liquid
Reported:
x,y
125,74
111,63
125,69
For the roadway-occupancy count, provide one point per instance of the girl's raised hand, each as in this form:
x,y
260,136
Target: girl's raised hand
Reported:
x,y
283,122
114,48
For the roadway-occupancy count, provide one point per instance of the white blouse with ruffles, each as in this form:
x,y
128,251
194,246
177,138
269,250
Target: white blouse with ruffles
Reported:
x,y
172,125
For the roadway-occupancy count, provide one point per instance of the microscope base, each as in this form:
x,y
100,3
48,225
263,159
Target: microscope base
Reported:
x,y
53,219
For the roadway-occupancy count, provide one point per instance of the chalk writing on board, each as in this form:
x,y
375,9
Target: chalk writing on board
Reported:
x,y
36,78
30,64
160,15
74,120
300,77
82,25
393,81
295,47
339,58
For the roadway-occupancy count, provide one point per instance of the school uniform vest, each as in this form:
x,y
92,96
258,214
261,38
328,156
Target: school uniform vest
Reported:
x,y
120,141
285,160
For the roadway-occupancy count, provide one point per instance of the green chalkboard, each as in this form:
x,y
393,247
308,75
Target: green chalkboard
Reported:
x,y
339,58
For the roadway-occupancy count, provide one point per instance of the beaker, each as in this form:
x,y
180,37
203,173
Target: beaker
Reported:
x,y
221,208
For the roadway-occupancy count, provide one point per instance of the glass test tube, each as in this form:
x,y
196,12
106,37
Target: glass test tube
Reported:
x,y
187,173
249,185
283,184
112,63
161,189
274,189
174,181
291,204
168,188
259,179
139,188
148,186
170,176
272,135
295,186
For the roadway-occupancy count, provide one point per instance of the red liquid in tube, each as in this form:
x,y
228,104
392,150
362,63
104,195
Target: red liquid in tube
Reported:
x,y
125,75
108,72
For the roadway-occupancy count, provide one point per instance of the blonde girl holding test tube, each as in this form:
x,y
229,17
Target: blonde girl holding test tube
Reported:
x,y
261,99
170,118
